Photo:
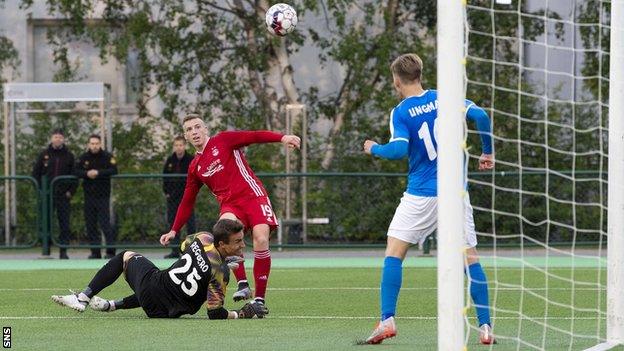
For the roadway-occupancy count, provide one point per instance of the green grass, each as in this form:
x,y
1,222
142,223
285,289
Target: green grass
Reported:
x,y
311,309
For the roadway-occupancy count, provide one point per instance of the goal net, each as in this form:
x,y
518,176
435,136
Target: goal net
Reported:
x,y
541,71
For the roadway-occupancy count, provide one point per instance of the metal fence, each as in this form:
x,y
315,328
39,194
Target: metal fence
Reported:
x,y
20,211
138,209
316,210
137,212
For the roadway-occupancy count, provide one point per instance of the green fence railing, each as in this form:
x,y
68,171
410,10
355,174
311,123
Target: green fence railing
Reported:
x,y
355,209
20,212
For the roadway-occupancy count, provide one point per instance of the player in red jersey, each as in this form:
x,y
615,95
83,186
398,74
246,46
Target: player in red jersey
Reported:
x,y
221,165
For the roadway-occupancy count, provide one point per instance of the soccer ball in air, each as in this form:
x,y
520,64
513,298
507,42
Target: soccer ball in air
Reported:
x,y
281,19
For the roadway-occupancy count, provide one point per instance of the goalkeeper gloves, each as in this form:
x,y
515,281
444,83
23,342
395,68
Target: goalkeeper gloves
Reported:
x,y
253,310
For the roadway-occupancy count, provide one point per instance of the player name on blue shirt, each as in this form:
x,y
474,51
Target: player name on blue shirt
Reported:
x,y
413,121
426,108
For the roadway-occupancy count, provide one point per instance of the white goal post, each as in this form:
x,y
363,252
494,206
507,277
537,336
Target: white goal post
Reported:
x,y
450,85
452,52
615,248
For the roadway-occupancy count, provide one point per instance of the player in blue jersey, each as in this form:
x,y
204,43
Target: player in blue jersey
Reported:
x,y
412,134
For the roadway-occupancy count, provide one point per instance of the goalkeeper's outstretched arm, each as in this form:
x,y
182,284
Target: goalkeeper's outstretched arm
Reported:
x,y
249,310
221,313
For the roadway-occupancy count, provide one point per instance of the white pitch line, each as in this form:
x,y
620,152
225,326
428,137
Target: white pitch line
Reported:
x,y
32,289
352,288
427,318
430,288
287,270
431,318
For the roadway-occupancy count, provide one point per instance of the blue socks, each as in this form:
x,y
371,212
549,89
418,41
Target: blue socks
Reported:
x,y
391,277
479,293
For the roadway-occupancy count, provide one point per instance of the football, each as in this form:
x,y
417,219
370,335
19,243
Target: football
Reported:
x,y
281,19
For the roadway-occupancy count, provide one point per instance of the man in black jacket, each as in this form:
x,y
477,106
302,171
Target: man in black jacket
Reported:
x,y
177,163
53,161
96,167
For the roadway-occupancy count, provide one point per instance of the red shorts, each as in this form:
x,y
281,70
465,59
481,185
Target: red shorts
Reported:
x,y
252,212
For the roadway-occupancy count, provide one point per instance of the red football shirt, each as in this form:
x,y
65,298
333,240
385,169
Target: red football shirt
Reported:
x,y
223,168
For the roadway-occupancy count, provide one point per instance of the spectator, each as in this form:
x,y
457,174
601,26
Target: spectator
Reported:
x,y
53,161
177,163
96,167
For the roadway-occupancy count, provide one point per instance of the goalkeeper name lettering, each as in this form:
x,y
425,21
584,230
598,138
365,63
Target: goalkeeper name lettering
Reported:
x,y
197,251
425,108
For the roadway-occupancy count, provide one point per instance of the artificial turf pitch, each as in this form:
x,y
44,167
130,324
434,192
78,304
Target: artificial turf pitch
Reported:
x,y
323,304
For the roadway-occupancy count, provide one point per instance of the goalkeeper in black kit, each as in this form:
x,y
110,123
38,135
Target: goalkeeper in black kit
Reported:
x,y
200,276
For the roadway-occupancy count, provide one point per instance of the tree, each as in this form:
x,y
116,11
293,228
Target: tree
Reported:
x,y
541,133
218,59
9,57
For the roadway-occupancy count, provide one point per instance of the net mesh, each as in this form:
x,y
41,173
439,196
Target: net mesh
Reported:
x,y
540,69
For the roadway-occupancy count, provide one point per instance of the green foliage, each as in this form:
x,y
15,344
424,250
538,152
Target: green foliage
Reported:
x,y
9,57
542,138
26,230
218,59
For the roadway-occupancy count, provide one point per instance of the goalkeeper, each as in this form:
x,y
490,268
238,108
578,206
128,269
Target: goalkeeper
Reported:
x,y
200,276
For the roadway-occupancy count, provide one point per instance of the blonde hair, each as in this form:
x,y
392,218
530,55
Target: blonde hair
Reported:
x,y
408,68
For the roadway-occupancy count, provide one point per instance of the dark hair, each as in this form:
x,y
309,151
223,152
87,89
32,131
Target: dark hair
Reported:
x,y
223,229
190,116
57,131
96,136
408,67
179,138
